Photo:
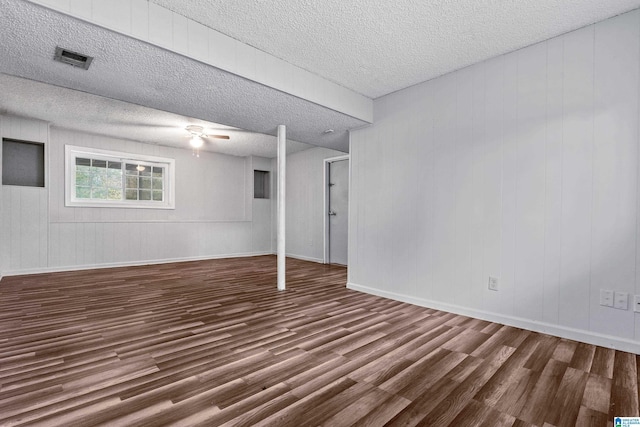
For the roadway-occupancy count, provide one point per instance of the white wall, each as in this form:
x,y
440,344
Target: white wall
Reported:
x,y
24,227
305,203
214,215
523,167
2,228
262,210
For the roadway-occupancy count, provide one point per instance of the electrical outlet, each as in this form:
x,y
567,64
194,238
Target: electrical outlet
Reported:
x,y
636,304
606,297
493,283
621,300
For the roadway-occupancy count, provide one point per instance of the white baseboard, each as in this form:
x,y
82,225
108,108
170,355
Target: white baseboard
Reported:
x,y
305,258
128,264
588,337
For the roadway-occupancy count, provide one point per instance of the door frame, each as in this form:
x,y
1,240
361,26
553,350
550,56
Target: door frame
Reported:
x,y
325,205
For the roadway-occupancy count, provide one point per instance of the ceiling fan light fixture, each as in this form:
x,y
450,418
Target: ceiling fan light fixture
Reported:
x,y
196,141
197,138
195,130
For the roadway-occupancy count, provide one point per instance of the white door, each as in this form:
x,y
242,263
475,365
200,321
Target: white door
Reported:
x,y
338,211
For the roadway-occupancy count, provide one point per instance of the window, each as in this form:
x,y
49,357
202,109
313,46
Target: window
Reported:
x,y
22,163
260,184
100,178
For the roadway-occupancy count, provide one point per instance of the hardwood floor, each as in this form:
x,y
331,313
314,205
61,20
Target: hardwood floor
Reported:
x,y
214,343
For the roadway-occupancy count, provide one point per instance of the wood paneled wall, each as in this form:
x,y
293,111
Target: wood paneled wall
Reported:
x,y
23,210
212,187
215,214
523,167
305,201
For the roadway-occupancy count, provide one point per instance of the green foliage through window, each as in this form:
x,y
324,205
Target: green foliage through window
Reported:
x,y
98,179
103,178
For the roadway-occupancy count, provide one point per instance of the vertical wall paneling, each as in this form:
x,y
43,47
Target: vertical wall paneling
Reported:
x,y
637,233
305,203
490,176
160,20
180,33
139,19
24,209
62,5
5,226
356,214
393,247
82,8
213,215
410,185
615,168
553,181
527,170
261,211
13,202
403,189
209,188
352,253
249,165
577,177
508,184
530,185
478,154
222,47
3,234
463,183
114,14
444,198
385,189
424,188
367,184
198,40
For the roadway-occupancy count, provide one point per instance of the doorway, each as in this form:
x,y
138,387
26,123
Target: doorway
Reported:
x,y
336,210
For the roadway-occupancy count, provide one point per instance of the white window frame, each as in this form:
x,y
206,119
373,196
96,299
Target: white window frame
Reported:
x,y
71,152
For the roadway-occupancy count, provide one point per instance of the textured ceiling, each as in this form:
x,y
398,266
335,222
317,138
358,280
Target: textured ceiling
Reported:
x,y
130,70
371,47
82,111
378,47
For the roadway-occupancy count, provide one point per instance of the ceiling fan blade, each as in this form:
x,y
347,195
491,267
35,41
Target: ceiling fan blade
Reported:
x,y
218,136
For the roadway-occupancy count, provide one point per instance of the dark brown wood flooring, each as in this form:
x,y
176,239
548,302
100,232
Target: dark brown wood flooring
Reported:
x,y
212,343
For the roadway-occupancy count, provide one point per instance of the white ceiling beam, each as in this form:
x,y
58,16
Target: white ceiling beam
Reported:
x,y
156,25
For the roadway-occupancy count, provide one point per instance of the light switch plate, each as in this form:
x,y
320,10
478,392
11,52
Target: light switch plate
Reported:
x,y
636,304
621,300
606,297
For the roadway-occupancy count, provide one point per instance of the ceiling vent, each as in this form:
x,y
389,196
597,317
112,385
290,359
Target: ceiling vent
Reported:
x,y
73,58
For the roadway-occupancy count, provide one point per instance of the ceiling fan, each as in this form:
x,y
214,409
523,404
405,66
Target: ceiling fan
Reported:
x,y
197,135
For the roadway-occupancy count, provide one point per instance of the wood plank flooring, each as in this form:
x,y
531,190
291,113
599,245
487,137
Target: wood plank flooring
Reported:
x,y
212,343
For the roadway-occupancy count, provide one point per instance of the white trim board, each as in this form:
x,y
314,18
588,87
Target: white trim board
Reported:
x,y
305,258
518,322
129,264
325,204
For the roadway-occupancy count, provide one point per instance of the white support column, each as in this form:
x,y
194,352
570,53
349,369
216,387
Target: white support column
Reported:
x,y
282,174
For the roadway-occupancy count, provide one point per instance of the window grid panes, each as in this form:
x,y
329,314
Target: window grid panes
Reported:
x,y
102,179
144,182
98,179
